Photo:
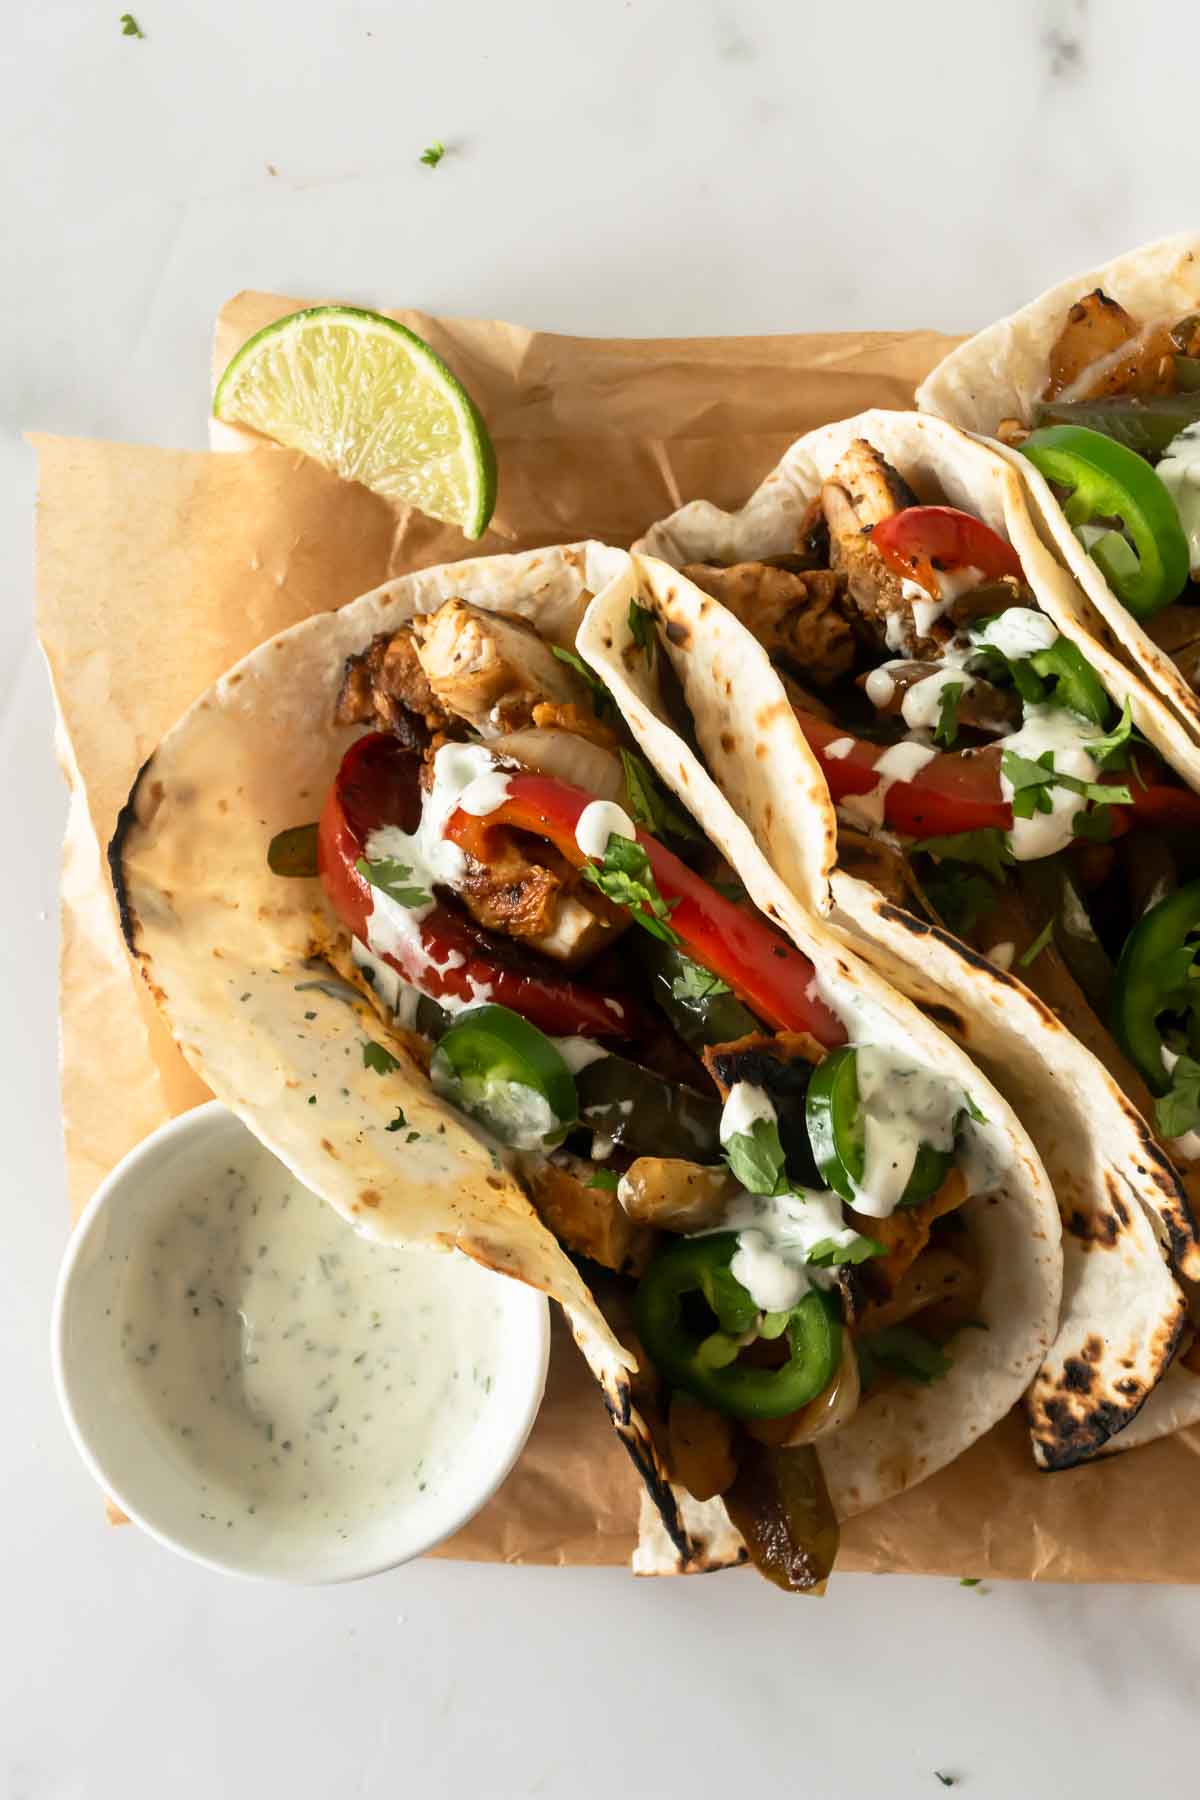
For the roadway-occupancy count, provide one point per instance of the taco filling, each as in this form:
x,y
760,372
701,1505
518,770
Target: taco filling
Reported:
x,y
982,773
584,979
1117,436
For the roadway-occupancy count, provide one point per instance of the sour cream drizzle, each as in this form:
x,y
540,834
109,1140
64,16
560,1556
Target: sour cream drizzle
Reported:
x,y
1179,472
899,762
1067,736
600,820
904,1105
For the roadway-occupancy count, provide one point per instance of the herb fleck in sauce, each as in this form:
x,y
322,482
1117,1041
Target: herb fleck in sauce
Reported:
x,y
303,1374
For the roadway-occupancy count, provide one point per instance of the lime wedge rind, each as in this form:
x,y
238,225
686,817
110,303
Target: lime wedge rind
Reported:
x,y
365,396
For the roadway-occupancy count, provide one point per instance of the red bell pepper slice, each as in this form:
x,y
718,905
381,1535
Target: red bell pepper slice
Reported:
x,y
764,969
919,541
956,791
960,790
378,784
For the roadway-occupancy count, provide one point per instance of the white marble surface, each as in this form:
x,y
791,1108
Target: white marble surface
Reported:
x,y
624,166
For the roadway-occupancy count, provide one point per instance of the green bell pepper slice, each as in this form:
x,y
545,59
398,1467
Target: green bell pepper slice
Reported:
x,y
1107,481
833,1114
703,1364
1153,977
487,1053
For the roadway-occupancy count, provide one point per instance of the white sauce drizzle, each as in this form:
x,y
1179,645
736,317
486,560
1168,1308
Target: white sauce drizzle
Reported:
x,y
600,820
928,608
744,1107
1179,472
879,686
903,1105
578,1052
485,794
1018,632
921,708
1066,734
393,929
899,762
839,748
776,1233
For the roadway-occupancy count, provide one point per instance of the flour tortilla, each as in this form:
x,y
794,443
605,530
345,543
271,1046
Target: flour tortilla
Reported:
x,y
904,1433
226,948
1120,1197
1000,373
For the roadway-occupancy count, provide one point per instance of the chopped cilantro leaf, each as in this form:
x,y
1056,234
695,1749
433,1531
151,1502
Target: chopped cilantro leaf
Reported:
x,y
642,630
756,1158
1031,783
969,1581
988,848
695,982
946,730
413,1137
1044,937
603,704
312,1099
830,1255
626,877
432,155
1095,826
607,1179
1112,750
399,1122
652,806
130,26
390,876
376,1057
902,1350
1178,1110
946,1780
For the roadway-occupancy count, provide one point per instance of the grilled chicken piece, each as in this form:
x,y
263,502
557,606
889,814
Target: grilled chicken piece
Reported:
x,y
580,721
1093,328
544,904
492,671
1102,351
523,887
863,490
590,1221
385,685
795,617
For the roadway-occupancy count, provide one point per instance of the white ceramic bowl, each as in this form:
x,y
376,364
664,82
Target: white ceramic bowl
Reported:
x,y
134,1461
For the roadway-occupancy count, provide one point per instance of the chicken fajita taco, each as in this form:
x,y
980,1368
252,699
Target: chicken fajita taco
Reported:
x,y
891,677
417,907
1096,385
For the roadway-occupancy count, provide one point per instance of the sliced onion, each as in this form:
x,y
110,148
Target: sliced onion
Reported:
x,y
828,1412
832,1409
568,757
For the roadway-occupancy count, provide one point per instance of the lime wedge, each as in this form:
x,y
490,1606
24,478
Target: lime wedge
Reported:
x,y
368,399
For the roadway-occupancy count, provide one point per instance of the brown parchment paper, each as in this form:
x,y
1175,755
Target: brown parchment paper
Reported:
x,y
157,569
